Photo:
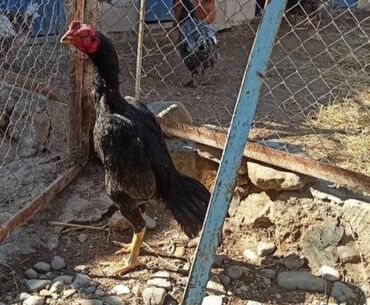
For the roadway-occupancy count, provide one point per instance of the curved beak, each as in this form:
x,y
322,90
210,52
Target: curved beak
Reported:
x,y
67,38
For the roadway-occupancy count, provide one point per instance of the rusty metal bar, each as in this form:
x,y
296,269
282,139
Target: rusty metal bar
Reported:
x,y
34,206
296,163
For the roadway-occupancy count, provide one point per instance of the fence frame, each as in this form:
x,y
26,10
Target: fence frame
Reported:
x,y
241,124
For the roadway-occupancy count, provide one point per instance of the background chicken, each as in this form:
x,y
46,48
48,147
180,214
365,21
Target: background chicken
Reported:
x,y
205,10
128,139
197,41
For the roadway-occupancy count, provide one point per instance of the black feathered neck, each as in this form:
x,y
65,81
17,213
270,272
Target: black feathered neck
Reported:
x,y
106,66
187,10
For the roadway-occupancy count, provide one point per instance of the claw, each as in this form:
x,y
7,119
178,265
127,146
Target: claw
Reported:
x,y
125,248
122,268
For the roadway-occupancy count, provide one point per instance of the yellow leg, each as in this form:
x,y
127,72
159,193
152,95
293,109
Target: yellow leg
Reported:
x,y
132,262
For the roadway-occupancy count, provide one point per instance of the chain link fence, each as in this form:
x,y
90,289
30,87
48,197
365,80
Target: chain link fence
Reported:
x,y
316,93
35,97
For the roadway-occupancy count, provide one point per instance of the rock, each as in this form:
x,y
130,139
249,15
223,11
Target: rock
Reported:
x,y
80,268
57,287
90,290
31,273
219,260
297,280
234,272
234,205
34,300
88,302
329,273
268,178
254,210
253,303
58,263
174,111
342,293
120,289
212,300
36,285
45,293
118,223
251,257
265,248
136,290
348,254
42,267
66,279
214,286
68,293
224,279
293,261
23,296
113,300
82,237
154,296
160,279
81,281
99,292
150,222
193,243
268,273
180,251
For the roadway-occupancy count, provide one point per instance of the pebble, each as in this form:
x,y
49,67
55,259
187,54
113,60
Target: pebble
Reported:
x,y
66,279
23,296
42,267
251,257
268,273
160,279
58,263
68,293
300,280
342,293
214,286
219,260
34,300
186,267
265,248
180,251
36,285
81,280
194,242
224,279
90,289
293,261
234,272
329,273
348,254
154,296
88,302
113,300
80,268
99,292
212,300
57,287
82,237
120,289
31,273
150,222
45,293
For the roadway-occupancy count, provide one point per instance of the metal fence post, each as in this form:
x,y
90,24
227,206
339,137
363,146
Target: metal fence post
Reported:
x,y
238,133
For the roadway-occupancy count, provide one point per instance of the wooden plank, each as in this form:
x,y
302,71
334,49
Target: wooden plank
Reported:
x,y
34,206
217,138
232,155
31,84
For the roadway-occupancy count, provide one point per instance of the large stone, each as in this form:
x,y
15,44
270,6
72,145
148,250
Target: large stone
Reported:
x,y
66,279
296,280
34,300
212,300
36,285
268,178
42,267
81,281
57,263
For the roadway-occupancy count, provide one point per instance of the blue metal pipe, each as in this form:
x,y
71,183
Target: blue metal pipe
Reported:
x,y
238,133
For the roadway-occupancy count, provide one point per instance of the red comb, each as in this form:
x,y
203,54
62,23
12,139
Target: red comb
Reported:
x,y
75,25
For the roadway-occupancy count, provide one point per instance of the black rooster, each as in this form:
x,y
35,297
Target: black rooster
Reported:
x,y
129,141
197,41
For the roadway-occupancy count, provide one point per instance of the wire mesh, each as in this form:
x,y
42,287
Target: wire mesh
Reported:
x,y
315,99
35,98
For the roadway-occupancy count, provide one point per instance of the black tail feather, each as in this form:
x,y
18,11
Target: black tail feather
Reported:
x,y
188,202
